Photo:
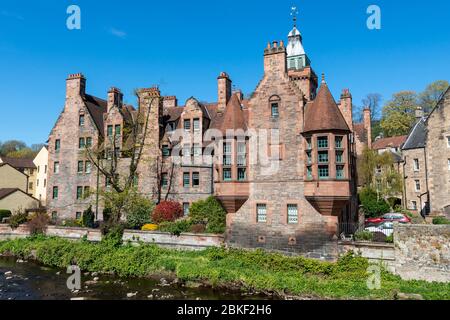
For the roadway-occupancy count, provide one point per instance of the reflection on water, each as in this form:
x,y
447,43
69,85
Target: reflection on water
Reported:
x,y
29,280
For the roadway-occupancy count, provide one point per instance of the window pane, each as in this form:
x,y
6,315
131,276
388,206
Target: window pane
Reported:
x,y
187,125
227,160
164,180
196,124
186,150
227,174
339,157
242,174
275,113
81,143
80,167
165,151
117,130
261,213
55,192
186,179
56,167
340,172
227,148
57,144
81,121
309,173
323,172
79,193
88,167
110,131
322,142
323,156
338,142
78,216
195,179
197,150
186,208
292,213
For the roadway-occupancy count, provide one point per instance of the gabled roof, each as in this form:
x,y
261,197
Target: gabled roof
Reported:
x,y
391,142
96,107
6,192
19,163
417,136
323,113
233,117
360,131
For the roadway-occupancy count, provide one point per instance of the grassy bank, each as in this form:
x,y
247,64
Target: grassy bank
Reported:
x,y
249,269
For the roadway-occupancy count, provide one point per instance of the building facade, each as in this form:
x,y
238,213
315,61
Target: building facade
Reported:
x,y
282,162
41,163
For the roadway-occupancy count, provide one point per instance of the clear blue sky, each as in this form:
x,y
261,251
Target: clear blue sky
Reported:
x,y
184,45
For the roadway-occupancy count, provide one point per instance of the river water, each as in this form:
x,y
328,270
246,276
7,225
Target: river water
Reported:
x,y
31,281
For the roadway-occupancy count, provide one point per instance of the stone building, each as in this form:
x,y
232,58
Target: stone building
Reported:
x,y
282,162
41,163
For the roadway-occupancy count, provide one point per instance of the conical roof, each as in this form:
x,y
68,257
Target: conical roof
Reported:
x,y
323,113
233,117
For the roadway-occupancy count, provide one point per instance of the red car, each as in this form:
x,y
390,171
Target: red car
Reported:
x,y
389,217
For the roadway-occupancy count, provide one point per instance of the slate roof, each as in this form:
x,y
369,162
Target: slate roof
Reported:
x,y
360,131
417,136
96,107
323,113
18,163
6,192
391,142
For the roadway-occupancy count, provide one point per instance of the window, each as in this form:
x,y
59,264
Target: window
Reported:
x,y
165,151
80,167
117,131
164,180
81,143
242,175
323,156
227,154
416,165
309,157
261,213
81,120
195,179
242,154
324,172
79,193
196,124
448,164
292,210
309,173
340,172
197,150
171,127
448,141
227,174
308,144
88,142
56,167
186,150
109,132
55,192
54,215
187,125
38,168
339,142
417,185
275,111
57,145
45,183
414,205
45,169
88,167
186,179
78,215
37,183
87,191
322,142
339,157
186,208
30,186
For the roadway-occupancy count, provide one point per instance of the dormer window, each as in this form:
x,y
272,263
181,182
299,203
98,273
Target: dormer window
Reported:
x,y
275,111
196,124
274,103
187,125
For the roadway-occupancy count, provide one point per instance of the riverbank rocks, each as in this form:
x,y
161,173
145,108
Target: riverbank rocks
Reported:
x,y
8,273
132,294
96,279
408,296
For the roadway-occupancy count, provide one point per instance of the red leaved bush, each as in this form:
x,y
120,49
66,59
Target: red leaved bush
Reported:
x,y
167,211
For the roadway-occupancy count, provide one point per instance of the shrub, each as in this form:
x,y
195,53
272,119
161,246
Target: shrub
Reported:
x,y
364,236
390,239
167,211
371,205
149,227
38,223
112,233
177,227
72,223
17,219
209,212
4,214
441,220
138,211
198,228
88,219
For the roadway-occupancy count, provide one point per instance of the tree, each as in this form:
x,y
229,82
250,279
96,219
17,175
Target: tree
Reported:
x,y
37,147
433,92
399,114
373,102
12,146
25,153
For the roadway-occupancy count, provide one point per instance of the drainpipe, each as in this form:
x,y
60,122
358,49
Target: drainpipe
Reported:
x,y
97,195
426,177
405,200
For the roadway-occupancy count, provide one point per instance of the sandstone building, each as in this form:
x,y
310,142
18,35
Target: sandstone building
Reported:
x,y
282,162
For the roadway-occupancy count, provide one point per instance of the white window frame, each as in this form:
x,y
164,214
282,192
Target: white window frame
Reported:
x,y
414,205
261,213
417,185
416,165
292,214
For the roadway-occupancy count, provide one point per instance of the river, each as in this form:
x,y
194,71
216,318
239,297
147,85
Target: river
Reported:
x,y
26,280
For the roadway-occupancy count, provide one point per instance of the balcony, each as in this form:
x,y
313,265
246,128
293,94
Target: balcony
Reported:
x,y
328,197
232,194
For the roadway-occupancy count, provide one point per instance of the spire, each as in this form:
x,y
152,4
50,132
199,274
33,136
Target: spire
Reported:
x,y
294,13
296,55
323,79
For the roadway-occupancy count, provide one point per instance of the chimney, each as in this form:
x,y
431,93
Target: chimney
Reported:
x,y
170,101
239,94
224,90
75,85
115,98
275,58
419,113
346,107
367,118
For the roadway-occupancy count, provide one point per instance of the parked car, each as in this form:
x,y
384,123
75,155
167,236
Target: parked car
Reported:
x,y
389,217
386,228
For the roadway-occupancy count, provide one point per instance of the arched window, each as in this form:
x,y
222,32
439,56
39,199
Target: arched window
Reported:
x,y
274,103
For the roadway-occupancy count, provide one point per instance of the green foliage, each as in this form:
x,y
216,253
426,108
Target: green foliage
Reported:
x,y
138,211
433,92
390,239
38,223
17,219
112,233
372,205
211,213
88,219
177,227
11,146
363,236
399,114
72,223
258,270
441,221
4,214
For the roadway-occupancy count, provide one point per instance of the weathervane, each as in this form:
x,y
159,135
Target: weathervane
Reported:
x,y
294,13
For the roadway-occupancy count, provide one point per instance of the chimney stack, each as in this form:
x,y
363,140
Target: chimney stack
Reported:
x,y
275,58
346,107
170,101
75,85
367,118
115,98
224,90
419,113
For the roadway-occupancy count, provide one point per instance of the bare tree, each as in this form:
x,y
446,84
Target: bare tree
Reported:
x,y
373,102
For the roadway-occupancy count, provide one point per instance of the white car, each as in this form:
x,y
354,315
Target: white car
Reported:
x,y
387,228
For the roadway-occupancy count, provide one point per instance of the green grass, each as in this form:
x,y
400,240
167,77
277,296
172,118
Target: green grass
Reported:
x,y
257,270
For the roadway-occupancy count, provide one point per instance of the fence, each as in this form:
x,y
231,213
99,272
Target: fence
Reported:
x,y
381,232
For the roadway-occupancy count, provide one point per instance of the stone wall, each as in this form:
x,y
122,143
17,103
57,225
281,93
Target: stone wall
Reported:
x,y
372,251
412,175
422,252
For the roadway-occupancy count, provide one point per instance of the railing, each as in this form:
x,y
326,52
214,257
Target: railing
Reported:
x,y
351,231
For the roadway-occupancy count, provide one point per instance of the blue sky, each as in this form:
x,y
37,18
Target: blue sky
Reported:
x,y
184,45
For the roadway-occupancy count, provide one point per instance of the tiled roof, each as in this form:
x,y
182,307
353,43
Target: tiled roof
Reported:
x,y
360,131
323,113
234,116
19,163
96,107
7,191
417,136
391,142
